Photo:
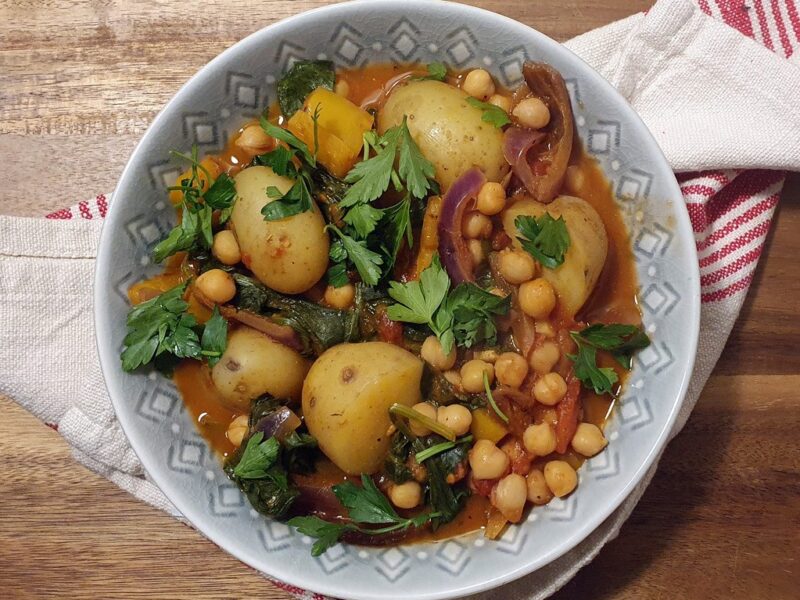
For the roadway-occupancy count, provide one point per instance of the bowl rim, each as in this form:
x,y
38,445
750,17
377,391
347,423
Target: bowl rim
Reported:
x,y
321,585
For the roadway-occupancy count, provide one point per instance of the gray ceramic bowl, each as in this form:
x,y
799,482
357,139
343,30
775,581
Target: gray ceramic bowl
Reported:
x,y
235,87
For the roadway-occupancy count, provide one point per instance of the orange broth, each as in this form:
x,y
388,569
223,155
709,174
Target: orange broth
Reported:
x,y
614,300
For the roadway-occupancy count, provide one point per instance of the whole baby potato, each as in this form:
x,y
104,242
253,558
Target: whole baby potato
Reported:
x,y
448,130
254,364
575,279
346,400
289,255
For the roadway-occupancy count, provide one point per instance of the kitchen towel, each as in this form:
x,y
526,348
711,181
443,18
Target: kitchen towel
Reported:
x,y
717,82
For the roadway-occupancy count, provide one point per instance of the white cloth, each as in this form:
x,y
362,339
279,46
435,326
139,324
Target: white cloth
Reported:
x,y
714,100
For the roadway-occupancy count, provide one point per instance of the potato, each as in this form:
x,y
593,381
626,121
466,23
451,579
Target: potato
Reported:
x,y
289,255
346,400
254,364
574,280
448,131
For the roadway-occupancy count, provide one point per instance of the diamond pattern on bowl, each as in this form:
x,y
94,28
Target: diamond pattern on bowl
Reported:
x,y
460,47
275,535
348,44
156,404
404,40
225,500
334,559
605,464
512,541
452,556
652,241
562,509
635,412
510,66
393,563
659,298
186,456
656,357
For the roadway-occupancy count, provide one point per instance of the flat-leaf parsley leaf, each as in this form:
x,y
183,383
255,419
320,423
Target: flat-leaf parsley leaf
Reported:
x,y
545,238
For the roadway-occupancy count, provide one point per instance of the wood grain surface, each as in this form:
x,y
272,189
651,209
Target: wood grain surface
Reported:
x,y
79,83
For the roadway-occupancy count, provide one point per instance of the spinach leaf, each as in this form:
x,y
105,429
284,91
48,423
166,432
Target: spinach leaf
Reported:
x,y
303,78
395,464
319,327
271,495
446,501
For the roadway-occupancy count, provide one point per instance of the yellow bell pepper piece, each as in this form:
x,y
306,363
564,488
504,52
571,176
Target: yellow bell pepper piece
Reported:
x,y
175,196
340,129
486,426
331,151
341,117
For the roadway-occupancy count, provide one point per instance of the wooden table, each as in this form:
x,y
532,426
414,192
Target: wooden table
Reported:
x,y
79,83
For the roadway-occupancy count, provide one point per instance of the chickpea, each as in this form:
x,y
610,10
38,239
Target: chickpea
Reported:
x,y
538,492
545,328
472,375
254,139
429,410
406,495
560,477
433,354
549,389
588,439
478,83
511,369
342,88
491,198
216,285
489,355
502,102
340,297
517,266
476,226
544,357
225,248
537,298
574,179
237,430
454,378
487,460
540,439
456,416
476,250
532,113
509,496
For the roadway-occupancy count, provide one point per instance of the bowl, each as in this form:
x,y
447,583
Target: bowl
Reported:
x,y
234,88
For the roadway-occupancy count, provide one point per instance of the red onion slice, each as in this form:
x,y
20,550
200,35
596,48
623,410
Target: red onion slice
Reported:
x,y
453,249
516,145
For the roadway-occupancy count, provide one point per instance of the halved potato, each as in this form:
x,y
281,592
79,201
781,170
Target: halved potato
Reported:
x,y
289,255
574,280
449,131
346,400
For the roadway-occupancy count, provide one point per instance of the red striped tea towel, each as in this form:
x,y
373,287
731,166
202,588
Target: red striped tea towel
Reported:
x,y
722,103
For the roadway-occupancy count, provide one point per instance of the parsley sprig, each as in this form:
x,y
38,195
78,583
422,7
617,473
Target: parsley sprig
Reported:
x,y
436,71
197,209
258,456
464,315
366,505
492,114
162,325
298,198
395,160
545,238
618,339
